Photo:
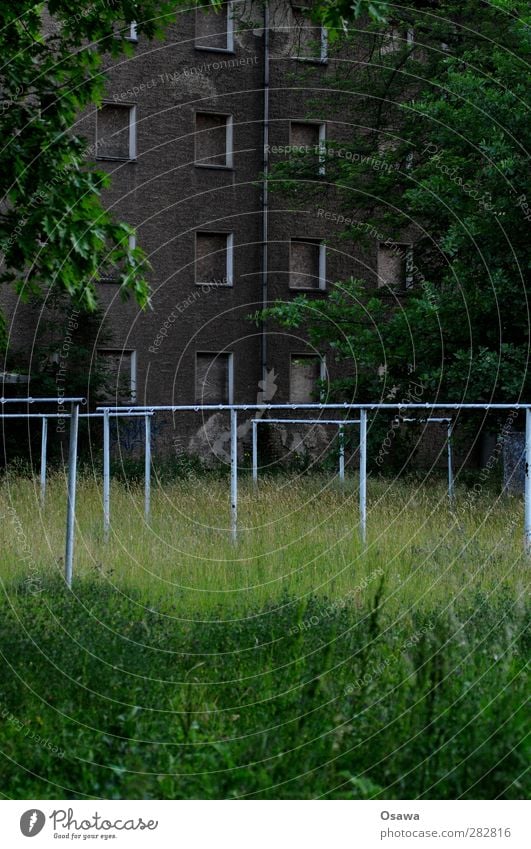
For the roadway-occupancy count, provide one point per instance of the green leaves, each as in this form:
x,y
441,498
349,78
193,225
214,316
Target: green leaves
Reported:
x,y
460,107
54,229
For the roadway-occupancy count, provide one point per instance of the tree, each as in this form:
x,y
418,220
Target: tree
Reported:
x,y
54,229
442,152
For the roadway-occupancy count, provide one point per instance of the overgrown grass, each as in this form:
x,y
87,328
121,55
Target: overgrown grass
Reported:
x,y
292,664
296,537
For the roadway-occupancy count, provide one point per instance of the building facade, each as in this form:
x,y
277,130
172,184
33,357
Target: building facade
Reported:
x,y
188,128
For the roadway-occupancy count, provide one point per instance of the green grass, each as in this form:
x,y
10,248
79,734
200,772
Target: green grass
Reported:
x,y
292,664
296,537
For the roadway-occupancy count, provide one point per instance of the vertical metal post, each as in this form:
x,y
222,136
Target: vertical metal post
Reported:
x,y
451,491
341,434
234,474
71,494
255,451
106,476
44,444
527,495
147,468
363,476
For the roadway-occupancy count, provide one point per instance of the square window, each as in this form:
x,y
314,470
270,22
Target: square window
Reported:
x,y
213,140
397,38
311,137
116,131
395,265
214,258
305,371
310,40
213,378
119,372
215,30
307,264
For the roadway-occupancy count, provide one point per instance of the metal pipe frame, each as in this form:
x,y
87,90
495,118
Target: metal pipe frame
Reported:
x,y
58,401
363,477
74,417
527,499
67,415
363,410
71,494
44,446
147,467
198,408
234,474
339,422
309,421
72,466
44,434
341,439
106,476
449,421
146,415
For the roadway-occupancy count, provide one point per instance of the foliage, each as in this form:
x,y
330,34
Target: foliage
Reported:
x,y
64,360
321,695
337,15
54,229
126,701
437,157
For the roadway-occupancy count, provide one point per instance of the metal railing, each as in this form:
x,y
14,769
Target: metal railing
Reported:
x,y
341,424
72,465
363,410
74,417
108,412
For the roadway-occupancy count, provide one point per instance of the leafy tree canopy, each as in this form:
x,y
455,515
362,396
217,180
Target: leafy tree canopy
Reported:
x,y
437,155
54,229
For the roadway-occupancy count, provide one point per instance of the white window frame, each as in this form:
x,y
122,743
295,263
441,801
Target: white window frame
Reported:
x,y
230,371
322,264
395,37
229,268
322,59
133,361
321,141
132,132
230,32
323,372
322,149
407,249
229,155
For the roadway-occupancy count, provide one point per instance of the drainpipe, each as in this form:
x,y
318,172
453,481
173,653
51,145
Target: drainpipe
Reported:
x,y
265,189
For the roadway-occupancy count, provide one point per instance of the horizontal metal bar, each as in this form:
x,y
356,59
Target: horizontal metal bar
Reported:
x,y
198,408
120,415
58,401
427,421
308,421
